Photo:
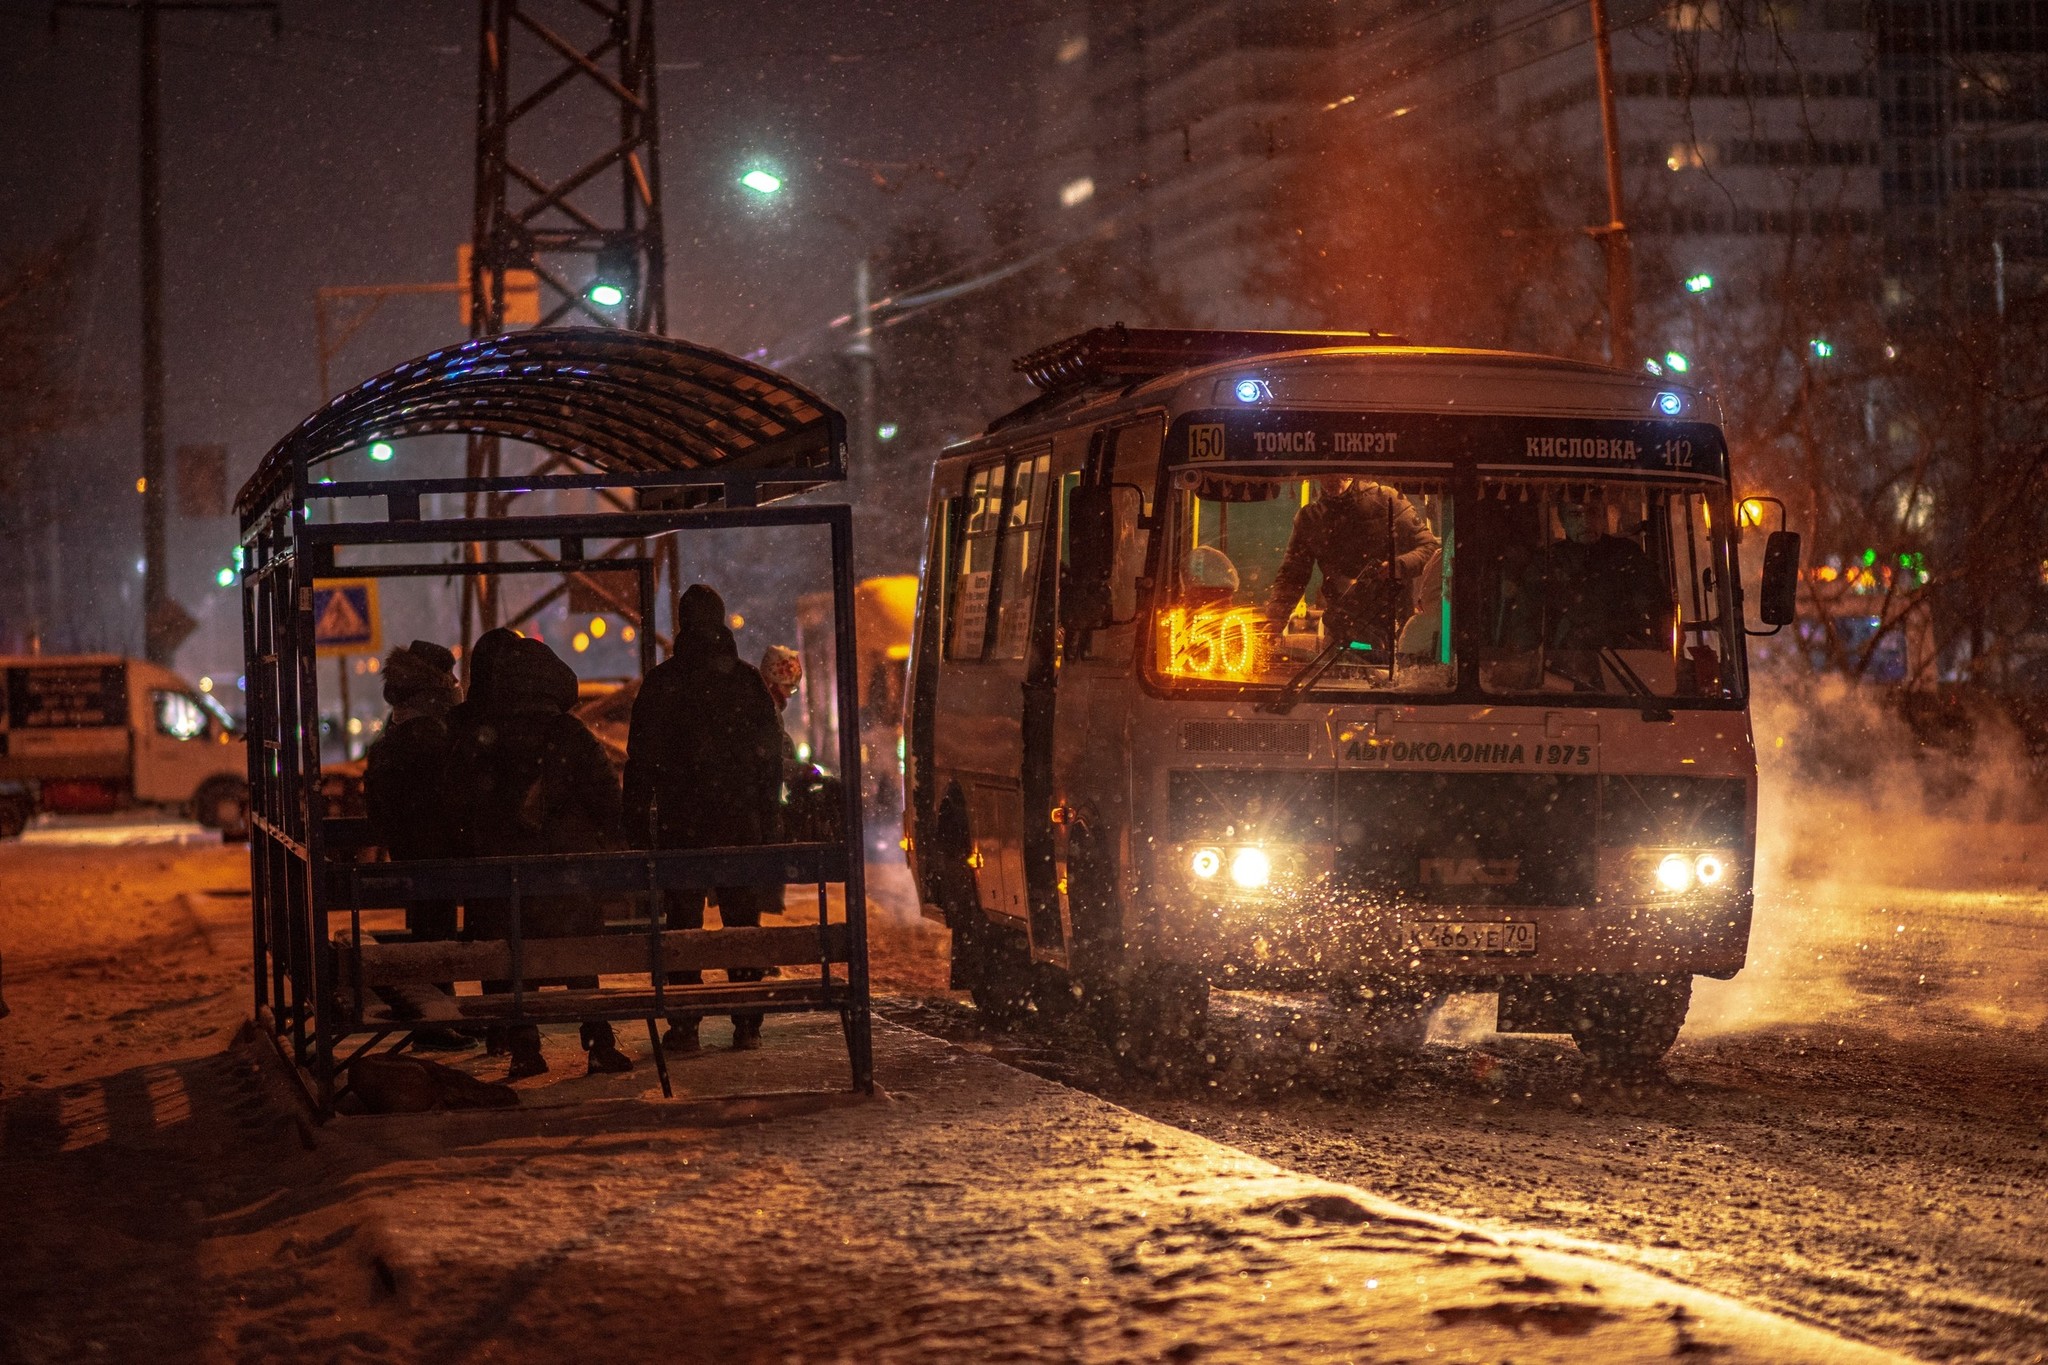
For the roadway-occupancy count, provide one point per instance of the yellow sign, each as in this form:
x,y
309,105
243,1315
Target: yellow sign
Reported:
x,y
1214,642
346,619
522,292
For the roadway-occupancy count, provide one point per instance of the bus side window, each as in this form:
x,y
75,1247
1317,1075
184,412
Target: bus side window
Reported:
x,y
977,563
1025,521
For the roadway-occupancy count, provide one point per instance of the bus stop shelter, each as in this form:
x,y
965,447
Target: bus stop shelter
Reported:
x,y
661,439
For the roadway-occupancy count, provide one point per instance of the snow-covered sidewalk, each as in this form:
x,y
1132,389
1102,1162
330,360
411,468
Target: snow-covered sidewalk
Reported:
x,y
974,1212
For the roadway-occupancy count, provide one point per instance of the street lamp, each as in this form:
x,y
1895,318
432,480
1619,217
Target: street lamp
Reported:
x,y
761,182
605,294
381,451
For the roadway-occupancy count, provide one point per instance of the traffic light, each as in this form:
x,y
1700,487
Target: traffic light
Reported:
x,y
617,278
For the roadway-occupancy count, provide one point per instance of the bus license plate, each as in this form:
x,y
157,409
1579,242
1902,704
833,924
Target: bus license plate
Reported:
x,y
1464,936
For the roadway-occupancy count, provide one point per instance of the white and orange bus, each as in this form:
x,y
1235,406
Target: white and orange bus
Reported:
x,y
1137,774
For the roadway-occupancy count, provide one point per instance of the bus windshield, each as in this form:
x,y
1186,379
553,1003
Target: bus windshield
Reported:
x,y
1273,574
1604,589
1616,588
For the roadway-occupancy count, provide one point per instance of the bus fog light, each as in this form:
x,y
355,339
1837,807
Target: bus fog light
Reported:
x,y
1251,868
1674,872
1709,868
1206,863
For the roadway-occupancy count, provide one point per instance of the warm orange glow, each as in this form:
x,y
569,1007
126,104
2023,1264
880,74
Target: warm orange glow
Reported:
x,y
1752,513
1213,642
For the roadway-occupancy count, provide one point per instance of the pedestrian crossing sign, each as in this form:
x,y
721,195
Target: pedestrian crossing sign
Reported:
x,y
345,617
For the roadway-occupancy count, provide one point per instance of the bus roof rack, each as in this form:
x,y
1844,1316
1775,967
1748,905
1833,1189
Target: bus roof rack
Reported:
x,y
1102,354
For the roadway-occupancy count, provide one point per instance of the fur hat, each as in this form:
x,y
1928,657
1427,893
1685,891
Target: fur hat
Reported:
x,y
421,674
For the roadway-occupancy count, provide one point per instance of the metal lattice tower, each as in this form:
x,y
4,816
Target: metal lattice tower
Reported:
x,y
568,187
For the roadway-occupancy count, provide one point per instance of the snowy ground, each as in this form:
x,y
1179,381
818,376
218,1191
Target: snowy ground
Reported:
x,y
1853,1133
1854,1130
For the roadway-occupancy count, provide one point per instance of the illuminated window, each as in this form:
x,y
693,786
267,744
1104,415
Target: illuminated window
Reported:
x,y
178,715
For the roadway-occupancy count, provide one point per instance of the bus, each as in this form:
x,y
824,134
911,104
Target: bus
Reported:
x,y
1323,663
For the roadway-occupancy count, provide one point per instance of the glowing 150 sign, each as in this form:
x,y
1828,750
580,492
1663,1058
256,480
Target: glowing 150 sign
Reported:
x,y
1214,642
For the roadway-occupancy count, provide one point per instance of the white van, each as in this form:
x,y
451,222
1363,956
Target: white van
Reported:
x,y
89,733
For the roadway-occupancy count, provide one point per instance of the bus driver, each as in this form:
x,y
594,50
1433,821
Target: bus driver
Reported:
x,y
1591,590
1355,530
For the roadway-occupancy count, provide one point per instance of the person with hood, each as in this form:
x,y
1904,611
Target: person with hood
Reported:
x,y
704,770
526,777
467,714
1369,542
402,785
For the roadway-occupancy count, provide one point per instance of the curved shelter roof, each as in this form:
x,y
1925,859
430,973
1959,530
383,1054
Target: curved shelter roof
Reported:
x,y
625,403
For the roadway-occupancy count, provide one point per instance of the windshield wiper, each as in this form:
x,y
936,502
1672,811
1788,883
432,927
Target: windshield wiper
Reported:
x,y
1651,703
1306,677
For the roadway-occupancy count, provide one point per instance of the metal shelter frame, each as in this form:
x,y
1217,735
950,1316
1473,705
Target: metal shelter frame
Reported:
x,y
676,438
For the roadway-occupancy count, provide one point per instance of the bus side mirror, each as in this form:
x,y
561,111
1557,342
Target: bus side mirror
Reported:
x,y
1780,587
1091,553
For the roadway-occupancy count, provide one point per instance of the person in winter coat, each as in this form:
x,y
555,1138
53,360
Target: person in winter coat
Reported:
x,y
1359,533
402,786
704,770
526,777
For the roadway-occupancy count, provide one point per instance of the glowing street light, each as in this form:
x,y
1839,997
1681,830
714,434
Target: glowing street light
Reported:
x,y
1676,362
605,294
761,182
1699,284
381,451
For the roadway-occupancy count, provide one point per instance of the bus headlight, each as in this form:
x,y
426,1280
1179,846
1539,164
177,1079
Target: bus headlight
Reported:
x,y
1206,863
1251,868
1674,872
1709,869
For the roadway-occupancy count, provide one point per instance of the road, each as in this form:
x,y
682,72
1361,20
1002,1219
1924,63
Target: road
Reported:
x,y
1853,1132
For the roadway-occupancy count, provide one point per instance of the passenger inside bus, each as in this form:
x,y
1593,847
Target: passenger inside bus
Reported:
x,y
1356,531
1609,587
1271,569
1590,589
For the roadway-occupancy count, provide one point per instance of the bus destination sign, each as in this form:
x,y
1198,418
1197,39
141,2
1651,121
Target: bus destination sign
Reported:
x,y
1527,443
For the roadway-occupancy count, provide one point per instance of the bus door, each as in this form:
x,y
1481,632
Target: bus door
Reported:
x,y
978,741
1077,777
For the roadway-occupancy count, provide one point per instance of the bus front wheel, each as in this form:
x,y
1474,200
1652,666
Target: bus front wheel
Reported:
x,y
1625,1024
992,963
